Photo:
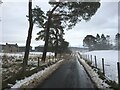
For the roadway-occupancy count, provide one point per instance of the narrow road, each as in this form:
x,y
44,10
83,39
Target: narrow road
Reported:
x,y
70,75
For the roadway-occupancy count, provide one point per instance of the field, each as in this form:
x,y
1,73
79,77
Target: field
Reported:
x,y
111,59
11,63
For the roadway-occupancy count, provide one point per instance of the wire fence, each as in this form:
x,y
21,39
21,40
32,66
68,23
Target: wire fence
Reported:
x,y
103,65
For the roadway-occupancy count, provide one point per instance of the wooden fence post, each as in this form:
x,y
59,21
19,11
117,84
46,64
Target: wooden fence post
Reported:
x,y
95,62
88,57
91,58
103,66
118,66
38,62
49,58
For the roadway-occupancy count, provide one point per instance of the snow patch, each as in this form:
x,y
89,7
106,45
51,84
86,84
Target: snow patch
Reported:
x,y
37,78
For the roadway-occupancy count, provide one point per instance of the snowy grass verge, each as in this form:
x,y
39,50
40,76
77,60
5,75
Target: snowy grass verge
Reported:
x,y
37,78
93,75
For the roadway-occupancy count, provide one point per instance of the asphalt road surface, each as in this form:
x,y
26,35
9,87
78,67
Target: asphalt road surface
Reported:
x,y
70,75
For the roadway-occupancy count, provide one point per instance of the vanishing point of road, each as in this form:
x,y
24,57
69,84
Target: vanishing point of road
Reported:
x,y
71,74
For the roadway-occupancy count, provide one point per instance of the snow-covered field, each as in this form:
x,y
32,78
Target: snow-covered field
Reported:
x,y
111,59
22,54
11,62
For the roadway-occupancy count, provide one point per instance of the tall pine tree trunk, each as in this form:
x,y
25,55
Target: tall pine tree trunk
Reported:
x,y
47,33
28,41
56,46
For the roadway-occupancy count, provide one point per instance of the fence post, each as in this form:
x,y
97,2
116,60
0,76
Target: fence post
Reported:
x,y
84,56
91,58
38,62
103,66
88,57
118,66
95,62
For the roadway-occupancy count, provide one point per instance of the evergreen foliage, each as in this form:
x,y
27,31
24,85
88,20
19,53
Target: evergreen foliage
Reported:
x,y
98,43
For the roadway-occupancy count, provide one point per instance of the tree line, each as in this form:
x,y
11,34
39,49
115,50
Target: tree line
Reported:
x,y
101,42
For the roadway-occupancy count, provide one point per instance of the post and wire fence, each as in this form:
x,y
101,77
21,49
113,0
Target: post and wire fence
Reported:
x,y
93,60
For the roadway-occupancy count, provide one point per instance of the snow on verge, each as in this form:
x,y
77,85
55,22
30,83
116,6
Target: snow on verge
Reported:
x,y
37,78
94,76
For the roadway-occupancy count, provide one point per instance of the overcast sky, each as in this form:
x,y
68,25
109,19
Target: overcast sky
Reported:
x,y
15,24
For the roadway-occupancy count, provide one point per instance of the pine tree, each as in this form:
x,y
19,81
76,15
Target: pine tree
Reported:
x,y
117,41
103,42
98,42
71,13
109,44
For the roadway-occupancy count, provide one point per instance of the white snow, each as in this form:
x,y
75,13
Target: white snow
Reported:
x,y
111,59
22,54
37,78
94,76
12,54
34,63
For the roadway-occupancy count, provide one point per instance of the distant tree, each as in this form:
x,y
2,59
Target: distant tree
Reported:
x,y
103,42
117,41
109,44
90,41
108,39
98,41
63,47
98,38
103,39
